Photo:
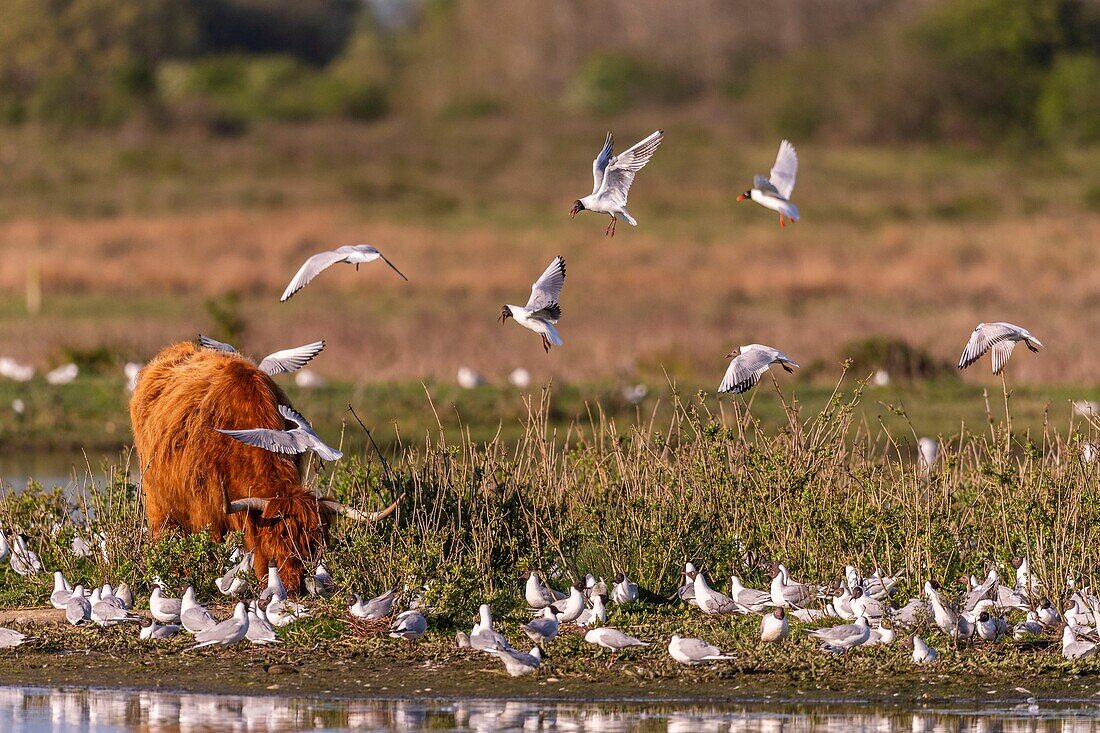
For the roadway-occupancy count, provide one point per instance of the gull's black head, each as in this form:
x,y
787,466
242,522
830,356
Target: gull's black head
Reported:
x,y
745,195
505,313
577,208
983,616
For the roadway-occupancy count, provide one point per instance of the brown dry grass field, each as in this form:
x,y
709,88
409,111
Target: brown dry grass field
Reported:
x,y
132,231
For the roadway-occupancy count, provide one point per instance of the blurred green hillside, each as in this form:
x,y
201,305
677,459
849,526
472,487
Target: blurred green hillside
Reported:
x,y
972,71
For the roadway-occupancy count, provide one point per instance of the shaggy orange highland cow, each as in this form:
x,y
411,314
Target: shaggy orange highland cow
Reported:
x,y
197,479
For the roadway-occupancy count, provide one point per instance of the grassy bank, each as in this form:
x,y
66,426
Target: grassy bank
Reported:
x,y
92,414
818,492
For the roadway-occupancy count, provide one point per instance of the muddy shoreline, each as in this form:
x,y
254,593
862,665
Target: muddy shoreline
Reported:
x,y
468,675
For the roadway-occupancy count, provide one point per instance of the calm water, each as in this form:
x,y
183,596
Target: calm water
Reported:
x,y
41,710
50,468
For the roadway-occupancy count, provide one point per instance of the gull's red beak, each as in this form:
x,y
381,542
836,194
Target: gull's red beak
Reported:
x,y
741,197
573,211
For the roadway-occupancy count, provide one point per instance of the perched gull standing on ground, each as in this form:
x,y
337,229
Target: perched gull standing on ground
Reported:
x,y
774,626
280,362
749,364
483,635
375,608
24,561
518,663
78,610
10,638
1001,338
544,628
235,580
409,625
158,631
260,631
296,440
542,310
62,591
612,639
624,591
922,653
193,617
352,254
227,632
774,192
612,176
694,651
845,636
165,610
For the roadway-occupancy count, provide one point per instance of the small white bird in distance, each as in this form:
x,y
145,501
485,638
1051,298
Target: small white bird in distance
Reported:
x,y
226,633
612,176
693,652
78,610
1072,648
542,310
352,254
409,625
109,611
163,609
928,450
280,362
749,364
544,628
612,639
774,192
62,591
193,617
1001,338
11,638
374,608
299,439
518,663
774,626
922,653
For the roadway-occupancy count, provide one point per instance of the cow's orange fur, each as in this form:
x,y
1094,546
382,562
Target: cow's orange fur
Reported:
x,y
182,396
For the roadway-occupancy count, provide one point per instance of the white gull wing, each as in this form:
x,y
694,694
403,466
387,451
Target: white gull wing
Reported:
x,y
356,254
547,289
619,174
1001,352
984,337
599,165
747,367
208,343
290,442
785,169
290,360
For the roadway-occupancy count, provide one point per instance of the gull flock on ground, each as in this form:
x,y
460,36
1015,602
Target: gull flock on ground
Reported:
x,y
845,616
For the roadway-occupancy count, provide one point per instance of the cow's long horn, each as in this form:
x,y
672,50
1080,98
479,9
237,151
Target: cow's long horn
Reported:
x,y
359,516
240,505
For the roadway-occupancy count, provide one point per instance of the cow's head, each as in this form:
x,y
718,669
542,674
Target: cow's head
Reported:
x,y
291,530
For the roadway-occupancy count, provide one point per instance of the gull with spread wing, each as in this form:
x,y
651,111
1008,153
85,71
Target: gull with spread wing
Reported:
x,y
542,310
1001,338
352,254
280,362
297,440
774,192
749,364
612,176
